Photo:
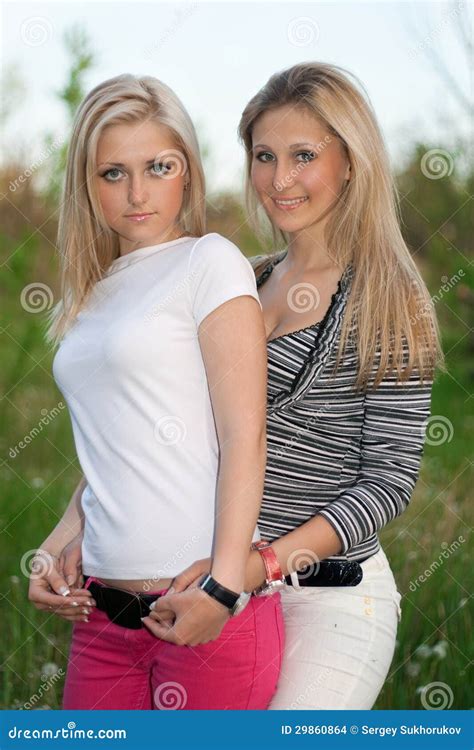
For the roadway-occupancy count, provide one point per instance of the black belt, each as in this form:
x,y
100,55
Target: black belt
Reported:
x,y
122,607
330,573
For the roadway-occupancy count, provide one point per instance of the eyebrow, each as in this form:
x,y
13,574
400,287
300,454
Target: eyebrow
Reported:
x,y
293,145
118,164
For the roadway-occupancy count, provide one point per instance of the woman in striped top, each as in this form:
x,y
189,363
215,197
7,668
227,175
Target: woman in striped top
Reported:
x,y
353,345
352,349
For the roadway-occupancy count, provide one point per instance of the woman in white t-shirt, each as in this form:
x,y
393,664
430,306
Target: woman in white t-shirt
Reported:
x,y
162,363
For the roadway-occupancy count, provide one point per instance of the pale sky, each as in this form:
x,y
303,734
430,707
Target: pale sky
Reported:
x,y
217,55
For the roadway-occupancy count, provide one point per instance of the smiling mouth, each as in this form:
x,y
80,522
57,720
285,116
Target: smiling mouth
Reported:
x,y
290,202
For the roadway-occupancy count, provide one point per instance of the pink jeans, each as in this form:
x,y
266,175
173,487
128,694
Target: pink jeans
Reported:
x,y
112,667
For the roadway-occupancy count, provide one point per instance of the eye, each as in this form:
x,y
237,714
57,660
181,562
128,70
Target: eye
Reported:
x,y
160,168
109,175
262,156
306,156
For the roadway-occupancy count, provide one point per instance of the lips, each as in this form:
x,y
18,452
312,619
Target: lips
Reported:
x,y
290,204
138,217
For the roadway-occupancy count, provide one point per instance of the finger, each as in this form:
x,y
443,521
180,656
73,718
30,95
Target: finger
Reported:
x,y
57,582
182,581
72,618
40,596
195,583
162,631
163,607
167,617
72,568
78,592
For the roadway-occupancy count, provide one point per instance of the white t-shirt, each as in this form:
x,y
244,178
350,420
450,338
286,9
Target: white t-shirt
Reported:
x,y
132,374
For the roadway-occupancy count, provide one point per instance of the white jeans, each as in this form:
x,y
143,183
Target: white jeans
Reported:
x,y
339,641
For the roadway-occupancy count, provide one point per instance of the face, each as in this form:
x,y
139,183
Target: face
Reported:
x,y
298,168
140,179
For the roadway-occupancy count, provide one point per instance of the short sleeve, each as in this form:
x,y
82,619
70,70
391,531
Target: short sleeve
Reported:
x,y
217,272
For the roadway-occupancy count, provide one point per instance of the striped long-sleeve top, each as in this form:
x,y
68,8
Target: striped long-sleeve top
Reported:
x,y
352,457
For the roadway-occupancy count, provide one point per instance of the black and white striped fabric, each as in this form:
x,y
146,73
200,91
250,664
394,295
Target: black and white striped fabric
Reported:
x,y
351,457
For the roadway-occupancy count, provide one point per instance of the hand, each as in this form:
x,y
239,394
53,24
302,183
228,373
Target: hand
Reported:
x,y
189,578
198,618
70,562
49,591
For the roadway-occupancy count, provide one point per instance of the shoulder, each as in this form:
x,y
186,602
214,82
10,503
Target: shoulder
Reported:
x,y
215,250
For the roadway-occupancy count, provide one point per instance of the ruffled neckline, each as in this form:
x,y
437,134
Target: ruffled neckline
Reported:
x,y
327,332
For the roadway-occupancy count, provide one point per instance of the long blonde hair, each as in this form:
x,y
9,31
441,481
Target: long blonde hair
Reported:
x,y
389,305
86,244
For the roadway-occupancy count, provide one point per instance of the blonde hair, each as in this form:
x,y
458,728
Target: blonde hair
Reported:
x,y
86,244
389,305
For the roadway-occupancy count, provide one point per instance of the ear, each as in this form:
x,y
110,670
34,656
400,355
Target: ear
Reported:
x,y
347,176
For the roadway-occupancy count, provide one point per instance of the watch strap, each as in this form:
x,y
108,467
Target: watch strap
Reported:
x,y
273,571
218,592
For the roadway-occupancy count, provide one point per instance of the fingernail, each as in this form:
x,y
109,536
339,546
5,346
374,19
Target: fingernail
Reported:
x,y
64,591
86,611
85,619
75,604
152,605
70,580
170,590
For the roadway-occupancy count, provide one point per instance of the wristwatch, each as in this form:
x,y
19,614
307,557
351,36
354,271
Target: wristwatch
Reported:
x,y
274,578
235,603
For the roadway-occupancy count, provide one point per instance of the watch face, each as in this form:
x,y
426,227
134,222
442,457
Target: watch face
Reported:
x,y
241,603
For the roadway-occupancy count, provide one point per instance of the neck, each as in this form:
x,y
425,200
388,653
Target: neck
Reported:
x,y
308,252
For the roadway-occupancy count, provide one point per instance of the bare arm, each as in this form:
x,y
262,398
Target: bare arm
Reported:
x,y
233,345
71,523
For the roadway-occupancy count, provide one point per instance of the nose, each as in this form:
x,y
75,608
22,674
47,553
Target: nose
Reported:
x,y
137,191
282,176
